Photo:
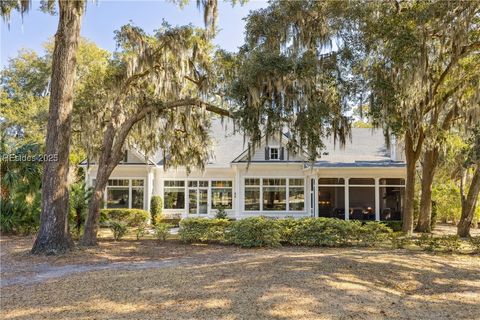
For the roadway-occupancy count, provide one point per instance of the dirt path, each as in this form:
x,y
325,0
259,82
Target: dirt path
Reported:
x,y
43,272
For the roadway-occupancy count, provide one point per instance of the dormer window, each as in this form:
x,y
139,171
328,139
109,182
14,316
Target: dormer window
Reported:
x,y
274,154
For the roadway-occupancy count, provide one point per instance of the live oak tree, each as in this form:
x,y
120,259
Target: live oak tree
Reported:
x,y
469,192
412,54
156,88
53,235
287,77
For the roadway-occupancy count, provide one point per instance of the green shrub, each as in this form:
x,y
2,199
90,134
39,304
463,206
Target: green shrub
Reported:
x,y
398,240
428,242
475,243
325,232
372,233
118,228
451,243
203,229
130,217
141,231
221,214
162,230
174,222
288,227
395,225
156,207
255,232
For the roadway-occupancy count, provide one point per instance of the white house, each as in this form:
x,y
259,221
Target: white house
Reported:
x,y
365,177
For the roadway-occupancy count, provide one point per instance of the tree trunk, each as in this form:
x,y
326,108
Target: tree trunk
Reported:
x,y
107,162
53,236
469,204
428,171
411,160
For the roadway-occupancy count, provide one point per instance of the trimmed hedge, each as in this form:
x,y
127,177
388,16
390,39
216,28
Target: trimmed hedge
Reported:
x,y
265,232
255,232
203,230
130,217
395,225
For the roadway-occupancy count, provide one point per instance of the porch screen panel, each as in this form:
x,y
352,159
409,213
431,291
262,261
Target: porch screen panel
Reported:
x,y
174,194
392,197
362,199
331,198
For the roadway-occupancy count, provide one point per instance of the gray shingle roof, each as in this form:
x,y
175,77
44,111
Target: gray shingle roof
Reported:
x,y
367,148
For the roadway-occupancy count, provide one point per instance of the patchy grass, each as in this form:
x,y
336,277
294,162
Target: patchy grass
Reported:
x,y
223,282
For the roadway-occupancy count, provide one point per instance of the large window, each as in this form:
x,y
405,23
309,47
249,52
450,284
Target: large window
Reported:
x,y
252,194
392,195
362,198
331,197
174,194
198,197
119,192
296,194
222,194
274,194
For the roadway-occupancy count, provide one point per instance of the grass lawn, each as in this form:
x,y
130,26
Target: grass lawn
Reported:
x,y
149,280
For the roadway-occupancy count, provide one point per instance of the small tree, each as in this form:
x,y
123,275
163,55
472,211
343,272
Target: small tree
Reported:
x,y
156,209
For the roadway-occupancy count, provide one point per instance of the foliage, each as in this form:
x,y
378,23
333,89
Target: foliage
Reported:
x,y
254,232
175,222
203,229
19,186
119,229
428,242
141,231
156,207
395,225
79,198
162,230
398,240
221,213
475,243
372,233
451,243
130,217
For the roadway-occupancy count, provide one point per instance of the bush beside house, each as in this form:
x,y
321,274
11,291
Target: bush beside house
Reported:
x,y
130,217
156,209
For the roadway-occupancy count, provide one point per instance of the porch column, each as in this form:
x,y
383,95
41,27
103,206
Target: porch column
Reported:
x,y
377,199
236,192
315,195
347,200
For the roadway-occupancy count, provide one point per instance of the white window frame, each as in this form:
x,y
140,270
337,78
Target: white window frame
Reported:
x,y
212,188
184,191
287,194
277,149
130,187
186,210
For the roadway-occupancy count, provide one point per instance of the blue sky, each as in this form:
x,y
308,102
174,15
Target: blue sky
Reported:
x,y
102,18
